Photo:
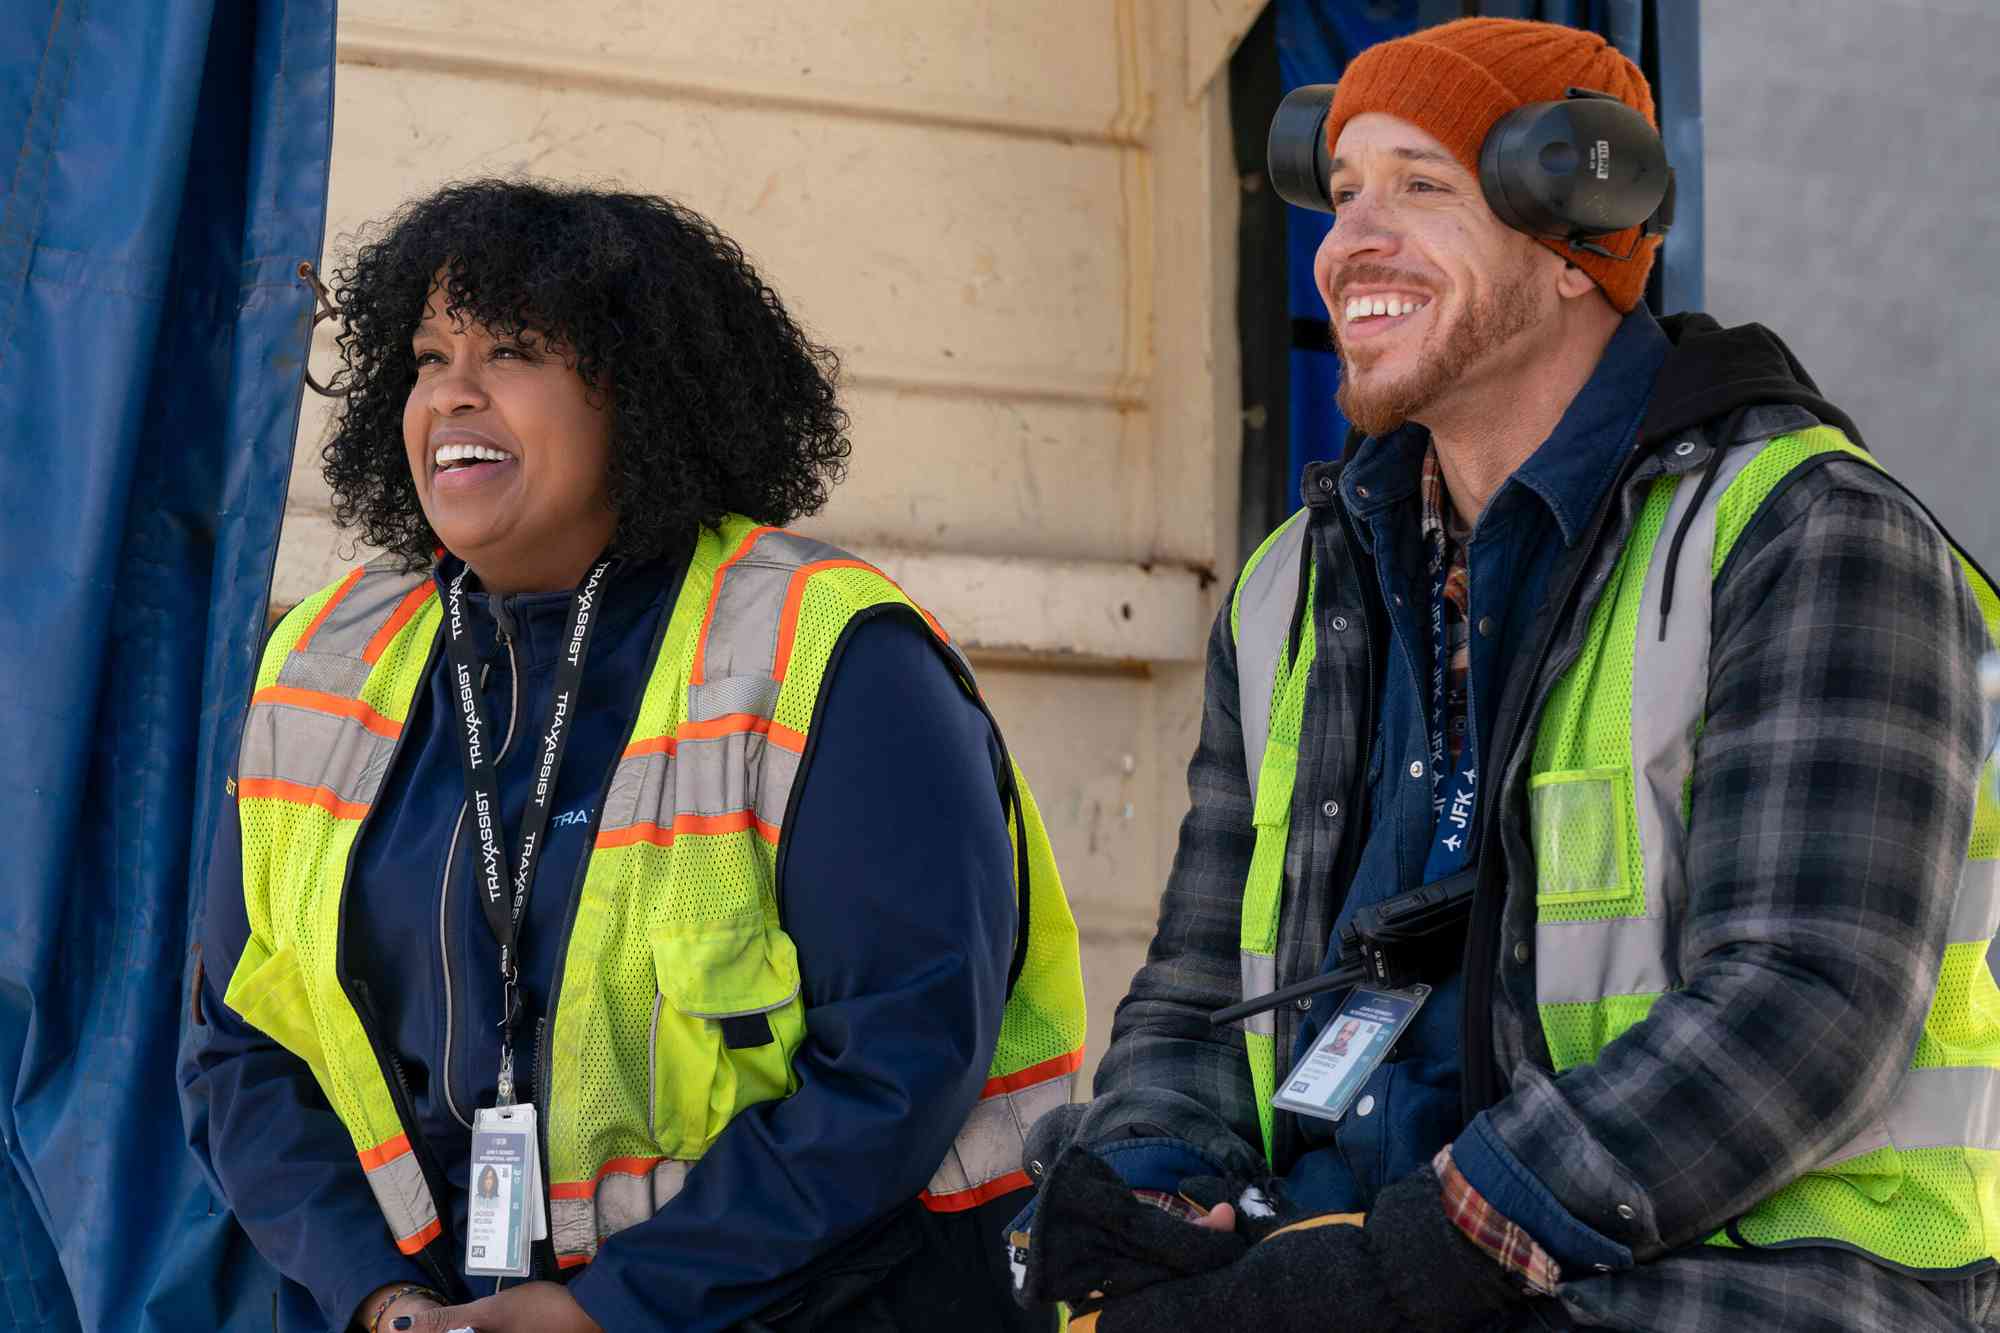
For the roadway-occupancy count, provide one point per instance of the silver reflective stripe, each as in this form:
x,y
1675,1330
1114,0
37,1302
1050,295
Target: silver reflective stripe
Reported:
x,y
1872,1139
314,749
750,604
792,550
621,1200
1582,961
639,790
996,1135
356,617
625,1201
573,1226
1976,914
730,695
1264,607
722,775
325,673
1670,684
402,1194
1579,962
743,636
726,774
1937,1108
1260,977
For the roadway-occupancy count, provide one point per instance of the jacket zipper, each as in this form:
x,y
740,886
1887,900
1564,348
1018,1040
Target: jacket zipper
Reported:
x,y
542,1254
1480,1087
386,1059
451,854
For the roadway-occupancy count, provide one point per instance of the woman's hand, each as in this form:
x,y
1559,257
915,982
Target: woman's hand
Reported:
x,y
532,1307
374,1317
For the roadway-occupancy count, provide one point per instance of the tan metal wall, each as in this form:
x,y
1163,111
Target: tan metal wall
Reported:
x,y
1015,219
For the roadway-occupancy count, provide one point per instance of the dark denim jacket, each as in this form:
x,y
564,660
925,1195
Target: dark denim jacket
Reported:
x,y
1410,1106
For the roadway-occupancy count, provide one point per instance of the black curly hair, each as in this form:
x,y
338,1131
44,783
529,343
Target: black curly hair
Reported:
x,y
719,402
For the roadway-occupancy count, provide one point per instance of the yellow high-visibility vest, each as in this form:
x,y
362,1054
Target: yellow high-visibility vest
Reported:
x,y
676,927
1607,797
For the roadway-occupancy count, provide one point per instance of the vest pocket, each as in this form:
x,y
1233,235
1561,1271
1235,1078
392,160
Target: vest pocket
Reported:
x,y
1577,818
269,990
729,1017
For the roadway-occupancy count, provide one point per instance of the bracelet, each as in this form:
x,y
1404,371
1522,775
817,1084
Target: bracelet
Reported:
x,y
375,1321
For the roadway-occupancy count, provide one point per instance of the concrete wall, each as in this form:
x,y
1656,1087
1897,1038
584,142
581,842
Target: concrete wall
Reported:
x,y
1015,219
1854,207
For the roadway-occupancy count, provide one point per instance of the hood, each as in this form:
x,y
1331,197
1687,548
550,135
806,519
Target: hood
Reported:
x,y
1712,371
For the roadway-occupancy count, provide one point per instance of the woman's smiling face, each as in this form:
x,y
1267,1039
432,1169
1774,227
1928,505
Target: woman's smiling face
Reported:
x,y
509,451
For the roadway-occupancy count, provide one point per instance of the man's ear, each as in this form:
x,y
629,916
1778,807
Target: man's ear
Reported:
x,y
1573,282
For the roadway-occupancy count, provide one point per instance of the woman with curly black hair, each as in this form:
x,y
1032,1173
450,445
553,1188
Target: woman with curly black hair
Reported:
x,y
606,841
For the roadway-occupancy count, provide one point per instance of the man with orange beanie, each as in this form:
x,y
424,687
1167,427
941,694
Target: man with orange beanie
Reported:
x,y
1609,651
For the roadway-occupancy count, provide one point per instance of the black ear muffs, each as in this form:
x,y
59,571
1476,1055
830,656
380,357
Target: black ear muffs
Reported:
x,y
1570,171
1577,169
1296,155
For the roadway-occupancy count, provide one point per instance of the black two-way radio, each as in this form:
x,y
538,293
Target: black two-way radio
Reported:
x,y
1417,935
1574,170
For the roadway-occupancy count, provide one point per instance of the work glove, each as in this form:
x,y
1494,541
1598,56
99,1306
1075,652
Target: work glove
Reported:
x,y
1407,1269
1091,1237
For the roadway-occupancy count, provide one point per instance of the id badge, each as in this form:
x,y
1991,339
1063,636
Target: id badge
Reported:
x,y
503,1215
1353,1043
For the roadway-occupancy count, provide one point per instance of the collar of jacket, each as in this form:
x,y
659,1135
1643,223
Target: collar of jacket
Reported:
x,y
1568,473
536,622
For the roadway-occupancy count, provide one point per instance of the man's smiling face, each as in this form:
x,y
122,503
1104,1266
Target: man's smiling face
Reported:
x,y
1427,291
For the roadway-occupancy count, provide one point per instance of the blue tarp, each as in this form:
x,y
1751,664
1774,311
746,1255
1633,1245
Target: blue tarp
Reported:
x,y
167,164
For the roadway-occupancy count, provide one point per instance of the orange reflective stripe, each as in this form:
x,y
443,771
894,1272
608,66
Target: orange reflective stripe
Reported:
x,y
788,621
750,540
1060,1067
693,825
624,1166
959,1201
736,724
384,1153
407,608
312,627
298,793
411,1244
739,724
571,1260
317,702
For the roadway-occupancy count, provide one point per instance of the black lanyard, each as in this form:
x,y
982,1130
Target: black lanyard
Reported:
x,y
477,752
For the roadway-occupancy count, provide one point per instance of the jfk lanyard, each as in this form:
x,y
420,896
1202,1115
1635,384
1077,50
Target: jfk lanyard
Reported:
x,y
1452,801
478,756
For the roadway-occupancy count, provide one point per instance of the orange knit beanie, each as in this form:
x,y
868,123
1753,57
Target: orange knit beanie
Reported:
x,y
1456,81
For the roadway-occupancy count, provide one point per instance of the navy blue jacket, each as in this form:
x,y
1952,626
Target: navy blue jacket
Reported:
x,y
899,890
1410,1107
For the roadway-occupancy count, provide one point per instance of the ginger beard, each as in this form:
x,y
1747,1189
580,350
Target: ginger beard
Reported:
x,y
1377,407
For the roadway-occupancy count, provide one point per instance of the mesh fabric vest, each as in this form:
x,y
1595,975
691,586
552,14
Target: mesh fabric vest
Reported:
x,y
676,1004
1608,811
1608,790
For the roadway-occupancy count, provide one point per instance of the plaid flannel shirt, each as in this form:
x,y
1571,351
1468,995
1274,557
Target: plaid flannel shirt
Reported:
x,y
1832,804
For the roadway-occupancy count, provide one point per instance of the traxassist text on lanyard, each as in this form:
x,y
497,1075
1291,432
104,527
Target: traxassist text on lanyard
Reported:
x,y
1451,802
480,759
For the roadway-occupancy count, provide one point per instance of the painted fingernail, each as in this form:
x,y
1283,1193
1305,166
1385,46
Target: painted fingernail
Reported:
x,y
401,1321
